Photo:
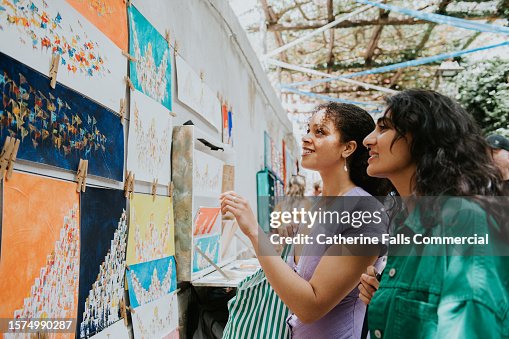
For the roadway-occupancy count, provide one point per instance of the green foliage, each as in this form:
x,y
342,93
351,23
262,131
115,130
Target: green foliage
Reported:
x,y
483,89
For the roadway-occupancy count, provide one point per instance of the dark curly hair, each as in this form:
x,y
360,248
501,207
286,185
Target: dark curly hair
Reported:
x,y
354,124
446,145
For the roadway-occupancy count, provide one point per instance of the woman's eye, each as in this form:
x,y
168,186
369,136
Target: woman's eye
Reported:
x,y
307,131
382,127
319,131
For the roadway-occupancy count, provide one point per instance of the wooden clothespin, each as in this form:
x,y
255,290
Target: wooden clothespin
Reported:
x,y
82,175
154,189
129,82
12,158
129,184
176,48
127,2
131,309
53,70
167,36
123,311
170,189
173,114
5,156
122,111
202,75
129,56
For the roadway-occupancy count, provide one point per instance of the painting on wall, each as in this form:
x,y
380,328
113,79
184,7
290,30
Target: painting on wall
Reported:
x,y
158,319
102,259
33,30
151,228
206,221
109,16
40,251
227,125
151,73
210,247
151,280
117,330
207,175
58,126
150,133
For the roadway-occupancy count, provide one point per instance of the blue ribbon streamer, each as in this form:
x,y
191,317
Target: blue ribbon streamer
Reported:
x,y
328,98
441,19
411,63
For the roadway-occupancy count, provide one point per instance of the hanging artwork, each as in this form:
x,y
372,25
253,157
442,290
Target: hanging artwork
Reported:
x,y
110,16
33,30
151,280
58,127
158,319
151,228
206,221
151,73
40,249
210,247
149,148
227,116
102,259
117,330
208,175
193,92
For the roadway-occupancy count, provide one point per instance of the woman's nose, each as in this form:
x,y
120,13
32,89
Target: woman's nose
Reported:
x,y
369,140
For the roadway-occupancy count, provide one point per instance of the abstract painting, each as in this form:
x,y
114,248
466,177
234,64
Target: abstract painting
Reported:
x,y
149,147
40,249
151,73
102,259
58,127
117,330
193,92
227,125
151,280
151,228
32,31
110,16
207,175
210,247
205,221
157,319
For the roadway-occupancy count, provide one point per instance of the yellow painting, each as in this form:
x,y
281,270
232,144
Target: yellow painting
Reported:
x,y
151,229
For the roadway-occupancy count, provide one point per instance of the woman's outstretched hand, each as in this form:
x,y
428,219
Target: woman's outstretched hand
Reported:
x,y
368,286
239,207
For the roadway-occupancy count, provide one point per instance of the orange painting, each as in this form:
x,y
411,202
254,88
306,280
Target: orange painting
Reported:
x,y
109,16
205,220
39,266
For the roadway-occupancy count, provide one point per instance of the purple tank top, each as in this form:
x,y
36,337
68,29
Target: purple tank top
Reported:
x,y
345,319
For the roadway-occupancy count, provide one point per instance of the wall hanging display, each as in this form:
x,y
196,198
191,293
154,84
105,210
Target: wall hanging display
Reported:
x,y
149,146
58,126
102,259
109,16
158,319
151,280
151,228
227,118
192,91
34,30
151,73
207,175
40,251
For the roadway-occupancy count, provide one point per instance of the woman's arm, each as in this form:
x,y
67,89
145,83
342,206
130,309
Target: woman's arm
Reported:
x,y
333,279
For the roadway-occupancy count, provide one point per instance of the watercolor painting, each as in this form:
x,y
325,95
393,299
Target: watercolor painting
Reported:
x,y
32,31
207,174
58,127
151,74
157,319
192,91
210,247
40,251
110,16
206,221
151,280
149,146
151,228
227,115
102,259
117,330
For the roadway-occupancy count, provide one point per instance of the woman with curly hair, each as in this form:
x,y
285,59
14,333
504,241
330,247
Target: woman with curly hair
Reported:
x,y
434,154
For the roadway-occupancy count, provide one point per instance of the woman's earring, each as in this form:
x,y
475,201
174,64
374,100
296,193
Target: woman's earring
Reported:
x,y
344,167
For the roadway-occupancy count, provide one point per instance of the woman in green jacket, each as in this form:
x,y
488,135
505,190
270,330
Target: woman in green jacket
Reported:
x,y
433,153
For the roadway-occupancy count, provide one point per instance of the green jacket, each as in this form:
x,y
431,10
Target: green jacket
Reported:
x,y
441,296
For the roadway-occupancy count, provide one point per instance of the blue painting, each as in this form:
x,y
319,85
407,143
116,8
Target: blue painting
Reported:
x,y
151,280
151,73
210,247
102,259
58,126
